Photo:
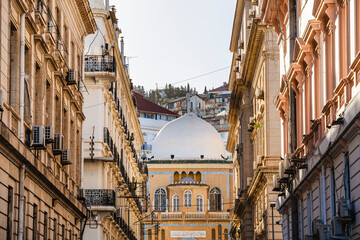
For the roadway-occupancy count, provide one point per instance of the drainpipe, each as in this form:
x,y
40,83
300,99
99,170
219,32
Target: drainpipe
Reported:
x,y
21,203
22,75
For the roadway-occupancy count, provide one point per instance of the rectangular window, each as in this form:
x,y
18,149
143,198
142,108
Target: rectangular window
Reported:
x,y
322,195
309,212
333,191
347,175
10,213
35,222
45,225
55,229
302,219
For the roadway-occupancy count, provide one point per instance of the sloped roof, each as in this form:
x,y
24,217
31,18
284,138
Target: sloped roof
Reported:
x,y
219,89
144,105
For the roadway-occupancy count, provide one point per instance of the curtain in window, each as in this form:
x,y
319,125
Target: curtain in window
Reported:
x,y
187,198
175,203
215,199
199,203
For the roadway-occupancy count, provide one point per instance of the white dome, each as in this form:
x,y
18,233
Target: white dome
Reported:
x,y
188,137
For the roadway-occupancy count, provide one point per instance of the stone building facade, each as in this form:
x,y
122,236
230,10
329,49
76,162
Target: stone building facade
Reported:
x,y
41,118
317,98
254,137
114,177
318,104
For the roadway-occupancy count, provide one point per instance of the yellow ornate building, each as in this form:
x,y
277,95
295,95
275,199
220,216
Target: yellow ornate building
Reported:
x,y
190,183
41,118
114,177
255,136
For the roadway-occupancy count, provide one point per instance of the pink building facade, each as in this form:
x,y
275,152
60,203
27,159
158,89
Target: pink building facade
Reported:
x,y
319,105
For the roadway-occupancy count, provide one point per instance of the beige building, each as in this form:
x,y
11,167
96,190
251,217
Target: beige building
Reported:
x,y
114,177
190,183
254,137
41,118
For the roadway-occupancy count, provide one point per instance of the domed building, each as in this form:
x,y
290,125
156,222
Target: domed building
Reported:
x,y
190,183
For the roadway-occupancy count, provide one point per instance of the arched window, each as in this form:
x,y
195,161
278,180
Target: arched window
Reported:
x,y
213,233
191,174
220,232
176,177
175,203
187,198
199,203
183,175
149,234
198,177
215,199
162,234
160,199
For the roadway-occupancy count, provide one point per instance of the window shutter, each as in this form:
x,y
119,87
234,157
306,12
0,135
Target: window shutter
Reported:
x,y
167,205
153,204
208,207
222,204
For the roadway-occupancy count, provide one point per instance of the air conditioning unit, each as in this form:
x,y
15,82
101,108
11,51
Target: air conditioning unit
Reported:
x,y
323,232
118,213
71,77
310,237
281,170
241,44
236,69
337,227
239,192
66,157
345,210
238,58
38,136
81,194
58,144
252,120
254,2
49,134
1,102
259,159
259,94
249,24
276,186
248,181
255,165
315,226
287,160
252,13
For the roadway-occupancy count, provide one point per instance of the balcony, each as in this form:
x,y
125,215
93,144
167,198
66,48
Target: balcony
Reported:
x,y
99,63
99,197
218,215
126,229
195,215
171,215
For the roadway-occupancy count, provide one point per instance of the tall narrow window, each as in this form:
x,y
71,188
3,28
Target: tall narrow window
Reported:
x,y
302,218
162,234
309,212
55,229
199,203
347,175
333,192
149,234
176,203
160,199
45,225
213,234
10,213
215,199
219,232
35,222
187,198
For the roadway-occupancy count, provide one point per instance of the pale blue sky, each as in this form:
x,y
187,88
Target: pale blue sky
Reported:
x,y
176,39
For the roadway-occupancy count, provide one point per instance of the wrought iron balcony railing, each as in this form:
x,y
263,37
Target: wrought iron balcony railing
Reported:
x,y
99,63
99,197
